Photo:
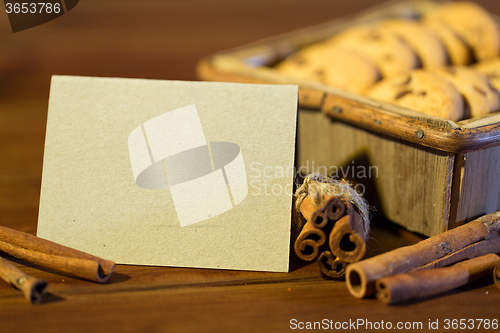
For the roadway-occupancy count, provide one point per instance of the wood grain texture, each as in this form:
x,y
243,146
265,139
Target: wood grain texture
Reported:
x,y
476,185
427,134
165,40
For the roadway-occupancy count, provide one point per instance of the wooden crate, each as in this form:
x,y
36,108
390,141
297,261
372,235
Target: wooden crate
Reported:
x,y
425,173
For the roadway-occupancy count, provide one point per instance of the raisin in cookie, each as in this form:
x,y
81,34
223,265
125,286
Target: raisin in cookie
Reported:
x,y
472,23
421,91
388,52
422,40
480,96
490,68
332,66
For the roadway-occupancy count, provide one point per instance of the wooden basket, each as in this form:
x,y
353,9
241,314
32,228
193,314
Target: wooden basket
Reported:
x,y
425,173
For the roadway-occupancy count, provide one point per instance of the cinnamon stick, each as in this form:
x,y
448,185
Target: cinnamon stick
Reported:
x,y
469,252
307,208
32,288
309,241
315,215
319,219
332,209
55,256
330,265
361,276
415,285
347,239
335,208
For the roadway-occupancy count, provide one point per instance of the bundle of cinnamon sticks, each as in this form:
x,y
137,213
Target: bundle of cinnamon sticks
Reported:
x,y
419,270
335,231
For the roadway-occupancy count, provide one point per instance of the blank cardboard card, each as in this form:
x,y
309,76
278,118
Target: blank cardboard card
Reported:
x,y
191,174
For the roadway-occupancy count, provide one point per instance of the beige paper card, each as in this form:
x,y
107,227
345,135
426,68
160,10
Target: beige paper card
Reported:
x,y
190,174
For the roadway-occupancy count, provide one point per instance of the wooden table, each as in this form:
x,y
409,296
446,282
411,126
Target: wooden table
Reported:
x,y
164,40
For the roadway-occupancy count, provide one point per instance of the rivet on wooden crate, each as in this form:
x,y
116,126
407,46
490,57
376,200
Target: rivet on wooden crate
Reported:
x,y
420,134
337,109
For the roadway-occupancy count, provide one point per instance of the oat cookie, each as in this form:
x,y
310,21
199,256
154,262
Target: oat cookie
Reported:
x,y
481,97
490,68
332,66
429,48
421,91
472,23
390,54
459,52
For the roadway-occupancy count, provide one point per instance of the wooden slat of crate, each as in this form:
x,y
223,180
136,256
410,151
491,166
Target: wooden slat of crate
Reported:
x,y
476,185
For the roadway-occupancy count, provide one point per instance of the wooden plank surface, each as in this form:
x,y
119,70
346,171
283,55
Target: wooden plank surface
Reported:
x,y
164,40
475,191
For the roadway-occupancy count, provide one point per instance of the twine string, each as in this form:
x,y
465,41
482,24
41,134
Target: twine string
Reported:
x,y
318,186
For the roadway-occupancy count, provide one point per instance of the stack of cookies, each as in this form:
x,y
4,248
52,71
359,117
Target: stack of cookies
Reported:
x,y
445,64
